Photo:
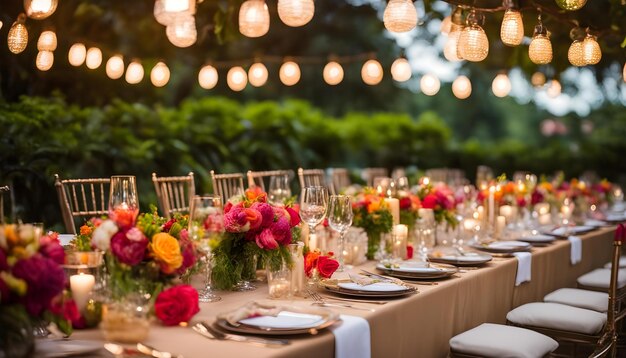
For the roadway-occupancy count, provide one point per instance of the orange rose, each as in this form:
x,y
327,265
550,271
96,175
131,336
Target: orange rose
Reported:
x,y
166,251
85,230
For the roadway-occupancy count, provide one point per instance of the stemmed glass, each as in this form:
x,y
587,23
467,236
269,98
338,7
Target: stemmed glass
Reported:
x,y
313,208
206,226
340,219
279,189
123,202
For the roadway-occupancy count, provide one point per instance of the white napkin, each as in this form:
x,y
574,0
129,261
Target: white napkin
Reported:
x,y
576,249
524,262
352,338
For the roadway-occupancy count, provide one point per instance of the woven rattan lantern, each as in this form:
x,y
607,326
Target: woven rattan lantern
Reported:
x,y
296,13
207,77
257,74
446,25
591,50
289,73
430,85
18,35
166,12
254,18
47,41
575,53
76,55
333,73
501,85
93,58
44,60
571,5
372,72
115,67
451,47
160,75
473,42
182,32
401,70
540,49
512,29
237,78
134,72
40,9
400,16
462,87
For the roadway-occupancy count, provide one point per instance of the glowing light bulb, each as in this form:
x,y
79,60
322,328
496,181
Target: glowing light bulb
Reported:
x,y
289,73
462,87
571,5
473,44
401,70
512,30
115,67
372,72
93,59
333,73
501,85
44,60
446,25
429,84
207,77
236,78
296,13
160,75
18,36
76,55
538,79
554,89
134,73
40,9
182,32
166,12
257,74
400,16
254,18
47,41
540,50
451,48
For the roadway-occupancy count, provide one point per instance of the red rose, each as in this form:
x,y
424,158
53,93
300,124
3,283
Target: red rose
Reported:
x,y
293,215
405,203
176,304
128,251
430,201
326,266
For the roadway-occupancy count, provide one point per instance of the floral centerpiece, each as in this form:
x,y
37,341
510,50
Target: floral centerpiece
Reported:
x,y
409,208
371,213
254,230
317,265
440,198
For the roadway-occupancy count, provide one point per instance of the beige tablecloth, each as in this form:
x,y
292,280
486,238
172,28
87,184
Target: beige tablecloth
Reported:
x,y
420,325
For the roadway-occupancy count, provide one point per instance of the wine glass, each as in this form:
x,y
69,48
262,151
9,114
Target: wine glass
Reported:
x,y
206,226
340,219
123,202
313,209
279,189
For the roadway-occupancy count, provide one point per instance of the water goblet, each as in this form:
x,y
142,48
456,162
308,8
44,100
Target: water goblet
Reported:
x,y
123,201
313,202
340,219
279,189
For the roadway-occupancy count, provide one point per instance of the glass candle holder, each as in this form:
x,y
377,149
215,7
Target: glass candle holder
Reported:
x,y
279,282
126,320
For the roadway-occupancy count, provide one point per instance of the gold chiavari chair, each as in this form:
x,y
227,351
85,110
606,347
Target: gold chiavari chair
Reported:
x,y
437,175
227,185
174,193
3,189
313,177
340,178
82,198
259,178
369,174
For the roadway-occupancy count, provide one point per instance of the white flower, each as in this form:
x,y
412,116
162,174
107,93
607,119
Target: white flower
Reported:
x,y
102,235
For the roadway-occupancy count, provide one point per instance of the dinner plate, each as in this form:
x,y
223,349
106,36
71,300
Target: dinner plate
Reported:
x,y
571,230
468,259
596,223
537,239
503,247
55,348
410,270
375,290
615,218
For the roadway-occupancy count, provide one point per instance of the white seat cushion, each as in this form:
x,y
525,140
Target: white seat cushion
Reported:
x,y
601,278
622,263
557,316
496,340
591,300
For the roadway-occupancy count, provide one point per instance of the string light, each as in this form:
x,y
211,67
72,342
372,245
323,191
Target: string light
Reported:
x,y
18,35
401,70
115,67
257,74
575,53
134,72
182,32
166,12
296,13
538,79
429,84
554,89
160,75
44,60
47,41
512,29
591,50
236,78
571,5
473,42
462,87
207,77
40,9
76,55
254,18
540,49
501,85
372,72
333,73
289,73
400,16
451,47
446,25
94,58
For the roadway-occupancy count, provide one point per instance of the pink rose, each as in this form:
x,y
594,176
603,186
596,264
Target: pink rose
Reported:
x,y
135,234
294,216
266,240
429,202
267,213
177,304
187,250
240,219
281,231
127,251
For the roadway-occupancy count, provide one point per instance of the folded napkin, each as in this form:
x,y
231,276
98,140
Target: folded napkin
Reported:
x,y
362,280
576,254
524,262
352,338
252,309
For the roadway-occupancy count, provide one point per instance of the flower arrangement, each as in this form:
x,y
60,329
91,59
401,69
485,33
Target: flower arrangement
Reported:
x,y
409,208
253,230
439,198
318,265
371,213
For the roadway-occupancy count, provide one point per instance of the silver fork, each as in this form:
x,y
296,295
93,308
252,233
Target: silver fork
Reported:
x,y
319,301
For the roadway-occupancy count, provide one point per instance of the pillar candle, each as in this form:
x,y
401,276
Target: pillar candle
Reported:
x,y
400,235
500,225
81,286
545,219
492,204
394,208
507,212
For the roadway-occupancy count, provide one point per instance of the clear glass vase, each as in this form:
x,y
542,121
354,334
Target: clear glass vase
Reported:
x,y
126,320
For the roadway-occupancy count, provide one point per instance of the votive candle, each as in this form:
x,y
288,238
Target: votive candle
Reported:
x,y
81,286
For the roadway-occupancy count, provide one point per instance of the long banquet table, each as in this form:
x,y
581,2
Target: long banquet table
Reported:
x,y
419,325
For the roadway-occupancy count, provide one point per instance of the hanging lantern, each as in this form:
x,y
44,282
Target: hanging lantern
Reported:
x,y
77,54
134,72
446,25
462,87
40,9
289,73
372,72
451,47
571,5
400,16
429,84
257,74
540,49
254,18
160,75
47,41
18,35
591,50
501,85
94,58
296,13
44,60
401,70
207,78
166,12
575,53
333,73
182,32
115,67
236,79
554,89
512,30
473,42
538,79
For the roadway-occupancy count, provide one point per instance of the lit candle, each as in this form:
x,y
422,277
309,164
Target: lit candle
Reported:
x,y
81,286
507,212
425,181
394,208
492,204
469,224
400,234
566,211
545,219
279,288
542,208
500,225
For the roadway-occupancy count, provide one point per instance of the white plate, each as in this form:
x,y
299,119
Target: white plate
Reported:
x,y
66,238
48,348
503,246
507,244
537,239
564,231
596,223
470,258
285,320
615,217
375,287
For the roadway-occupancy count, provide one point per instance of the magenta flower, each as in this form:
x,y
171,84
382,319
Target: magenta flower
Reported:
x,y
266,240
128,251
281,230
294,217
187,250
45,280
52,249
267,213
240,219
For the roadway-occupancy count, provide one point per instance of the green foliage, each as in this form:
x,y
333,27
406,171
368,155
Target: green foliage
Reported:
x,y
375,224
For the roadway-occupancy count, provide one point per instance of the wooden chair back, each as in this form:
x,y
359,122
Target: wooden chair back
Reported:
x,y
369,174
174,194
313,177
82,198
340,178
227,185
262,178
3,189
